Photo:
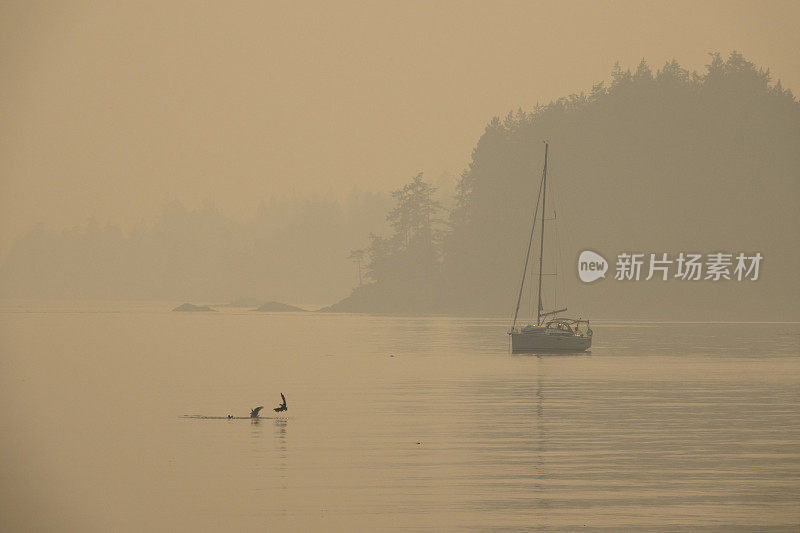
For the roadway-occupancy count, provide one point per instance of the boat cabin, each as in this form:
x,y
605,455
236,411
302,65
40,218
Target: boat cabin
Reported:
x,y
560,326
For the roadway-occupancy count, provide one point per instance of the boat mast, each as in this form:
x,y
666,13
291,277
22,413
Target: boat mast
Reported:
x,y
541,244
527,255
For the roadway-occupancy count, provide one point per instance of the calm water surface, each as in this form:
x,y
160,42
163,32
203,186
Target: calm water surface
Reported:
x,y
393,423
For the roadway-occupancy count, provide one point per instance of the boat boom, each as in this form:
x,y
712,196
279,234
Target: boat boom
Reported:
x,y
553,312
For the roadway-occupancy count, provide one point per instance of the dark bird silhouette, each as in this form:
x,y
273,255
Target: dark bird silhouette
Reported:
x,y
254,412
282,406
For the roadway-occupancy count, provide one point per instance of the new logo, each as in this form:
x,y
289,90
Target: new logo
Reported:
x,y
591,266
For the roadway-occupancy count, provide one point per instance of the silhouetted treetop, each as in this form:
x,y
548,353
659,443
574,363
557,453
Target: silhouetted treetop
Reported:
x,y
657,157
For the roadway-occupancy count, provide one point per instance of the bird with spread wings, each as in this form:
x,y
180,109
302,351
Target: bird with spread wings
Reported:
x,y
282,406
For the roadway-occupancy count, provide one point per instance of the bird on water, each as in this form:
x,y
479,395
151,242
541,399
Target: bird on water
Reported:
x,y
282,406
254,412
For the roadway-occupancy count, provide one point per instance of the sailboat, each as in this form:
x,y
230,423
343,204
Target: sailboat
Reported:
x,y
551,332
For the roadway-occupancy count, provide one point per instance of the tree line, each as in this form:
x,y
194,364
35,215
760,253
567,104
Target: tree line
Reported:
x,y
652,160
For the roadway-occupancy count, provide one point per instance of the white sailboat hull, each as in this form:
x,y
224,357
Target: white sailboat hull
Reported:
x,y
543,341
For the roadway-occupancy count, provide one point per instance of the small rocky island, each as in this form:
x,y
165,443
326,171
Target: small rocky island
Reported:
x,y
277,307
191,308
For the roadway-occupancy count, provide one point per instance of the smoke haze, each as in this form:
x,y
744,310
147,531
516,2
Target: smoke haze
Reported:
x,y
112,111
142,142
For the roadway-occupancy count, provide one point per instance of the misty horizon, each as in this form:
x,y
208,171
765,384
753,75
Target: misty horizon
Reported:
x,y
297,250
374,266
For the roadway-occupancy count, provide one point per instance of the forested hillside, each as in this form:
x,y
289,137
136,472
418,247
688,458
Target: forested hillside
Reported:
x,y
662,160
650,161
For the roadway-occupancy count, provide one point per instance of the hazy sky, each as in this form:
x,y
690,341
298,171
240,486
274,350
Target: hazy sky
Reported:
x,y
111,109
